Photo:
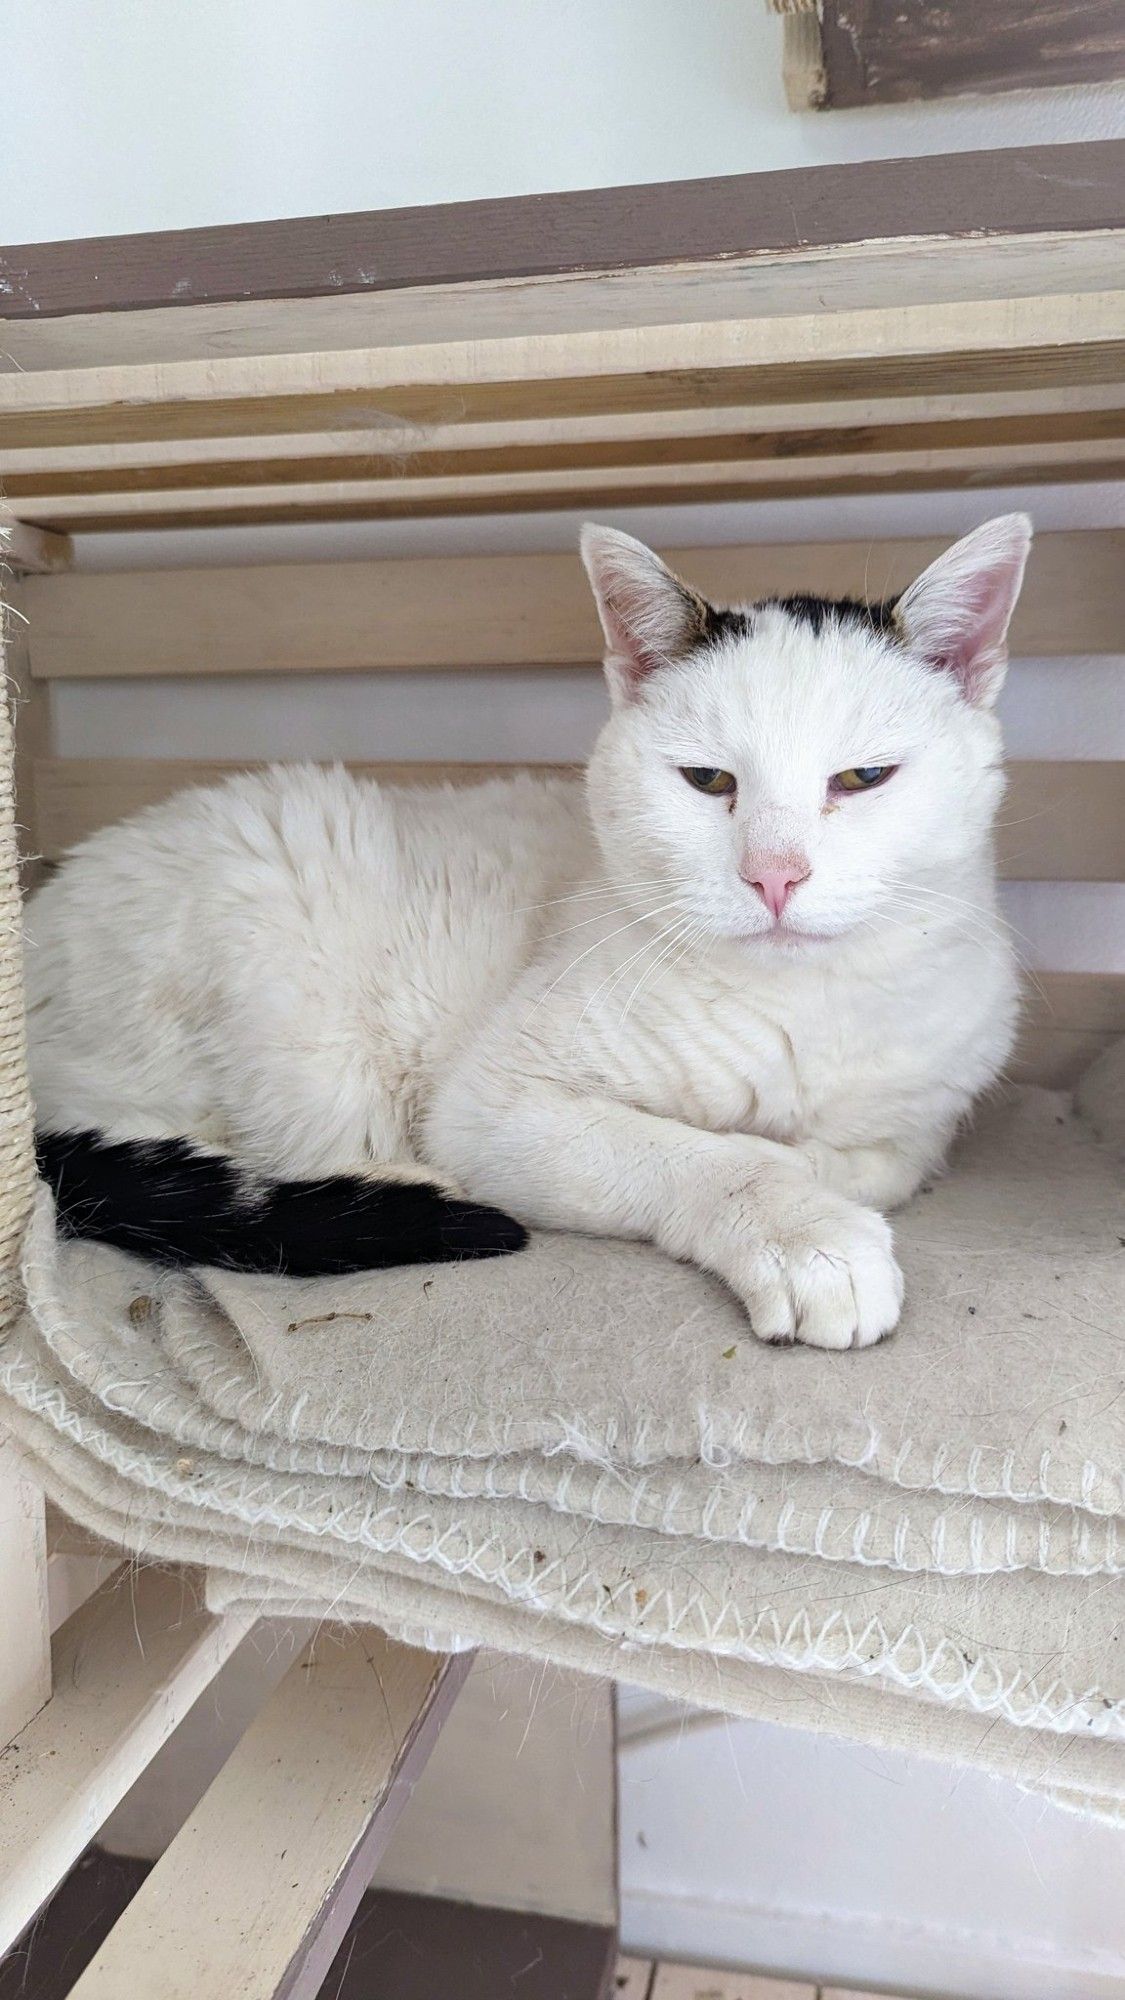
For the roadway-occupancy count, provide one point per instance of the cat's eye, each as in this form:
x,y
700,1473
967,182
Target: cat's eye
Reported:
x,y
862,777
717,784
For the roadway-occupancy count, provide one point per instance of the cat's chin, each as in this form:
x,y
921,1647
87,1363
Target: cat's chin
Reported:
x,y
790,941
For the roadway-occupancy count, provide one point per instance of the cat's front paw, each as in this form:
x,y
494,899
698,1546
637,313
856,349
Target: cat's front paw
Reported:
x,y
825,1276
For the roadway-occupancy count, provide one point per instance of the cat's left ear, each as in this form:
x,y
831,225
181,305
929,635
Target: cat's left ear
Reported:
x,y
957,613
648,616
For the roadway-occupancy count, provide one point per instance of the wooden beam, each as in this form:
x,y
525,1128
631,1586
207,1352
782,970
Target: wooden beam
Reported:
x,y
1075,187
929,269
877,53
1051,438
980,346
399,1947
397,498
497,611
127,1667
254,1895
1020,412
1059,821
25,1632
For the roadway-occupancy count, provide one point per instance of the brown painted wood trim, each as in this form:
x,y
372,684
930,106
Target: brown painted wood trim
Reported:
x,y
876,53
413,1947
1015,190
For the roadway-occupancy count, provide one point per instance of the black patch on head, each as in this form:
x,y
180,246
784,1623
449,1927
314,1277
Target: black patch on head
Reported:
x,y
817,612
711,623
719,624
167,1200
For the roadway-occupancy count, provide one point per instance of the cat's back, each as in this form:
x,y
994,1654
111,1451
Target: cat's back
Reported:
x,y
356,908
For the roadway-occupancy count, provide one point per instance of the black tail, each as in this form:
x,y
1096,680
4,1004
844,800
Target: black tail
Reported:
x,y
168,1200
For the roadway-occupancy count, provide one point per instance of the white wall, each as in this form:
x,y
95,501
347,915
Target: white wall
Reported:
x,y
157,114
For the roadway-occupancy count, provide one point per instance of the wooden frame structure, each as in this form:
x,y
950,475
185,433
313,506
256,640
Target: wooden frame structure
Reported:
x,y
897,326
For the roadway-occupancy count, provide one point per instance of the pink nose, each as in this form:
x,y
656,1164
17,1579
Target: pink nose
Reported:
x,y
775,885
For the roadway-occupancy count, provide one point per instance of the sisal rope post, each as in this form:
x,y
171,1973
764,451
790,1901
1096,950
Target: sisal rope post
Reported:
x,y
17,1144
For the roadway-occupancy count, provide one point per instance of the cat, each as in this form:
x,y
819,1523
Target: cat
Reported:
x,y
733,994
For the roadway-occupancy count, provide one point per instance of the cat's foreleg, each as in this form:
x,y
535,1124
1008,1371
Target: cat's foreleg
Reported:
x,y
882,1176
807,1264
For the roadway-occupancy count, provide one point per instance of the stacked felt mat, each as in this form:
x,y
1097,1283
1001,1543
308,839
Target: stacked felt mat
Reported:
x,y
580,1453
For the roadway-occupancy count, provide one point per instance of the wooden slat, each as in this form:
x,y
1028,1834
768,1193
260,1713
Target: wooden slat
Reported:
x,y
1059,822
497,611
253,1897
980,346
1068,1019
1055,435
127,1667
398,1947
35,551
25,1631
392,495
875,54
1017,190
1022,411
930,270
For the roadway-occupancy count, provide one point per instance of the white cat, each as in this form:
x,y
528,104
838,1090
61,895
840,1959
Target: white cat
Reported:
x,y
734,995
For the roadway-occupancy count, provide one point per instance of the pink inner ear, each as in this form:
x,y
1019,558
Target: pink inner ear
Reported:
x,y
985,610
957,613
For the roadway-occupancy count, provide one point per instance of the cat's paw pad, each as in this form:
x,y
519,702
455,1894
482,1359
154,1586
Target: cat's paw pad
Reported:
x,y
830,1280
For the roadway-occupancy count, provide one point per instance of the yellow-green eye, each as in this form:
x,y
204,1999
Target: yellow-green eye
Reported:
x,y
862,777
717,784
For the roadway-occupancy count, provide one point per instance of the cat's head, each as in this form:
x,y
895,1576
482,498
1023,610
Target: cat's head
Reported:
x,y
787,771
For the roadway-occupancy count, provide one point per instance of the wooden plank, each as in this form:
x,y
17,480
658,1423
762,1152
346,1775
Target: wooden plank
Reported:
x,y
777,445
1022,410
1063,823
390,495
1082,1002
25,1640
498,611
32,709
398,1947
35,551
803,71
931,269
257,1890
1059,822
517,1807
127,1667
878,54
1074,187
980,346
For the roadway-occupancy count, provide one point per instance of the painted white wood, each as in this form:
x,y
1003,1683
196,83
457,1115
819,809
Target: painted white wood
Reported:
x,y
253,1898
127,1667
517,1807
25,1633
72,1579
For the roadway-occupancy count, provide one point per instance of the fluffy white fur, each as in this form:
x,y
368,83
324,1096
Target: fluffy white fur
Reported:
x,y
572,1000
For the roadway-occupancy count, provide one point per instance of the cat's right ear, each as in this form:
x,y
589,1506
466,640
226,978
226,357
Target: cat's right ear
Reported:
x,y
648,616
